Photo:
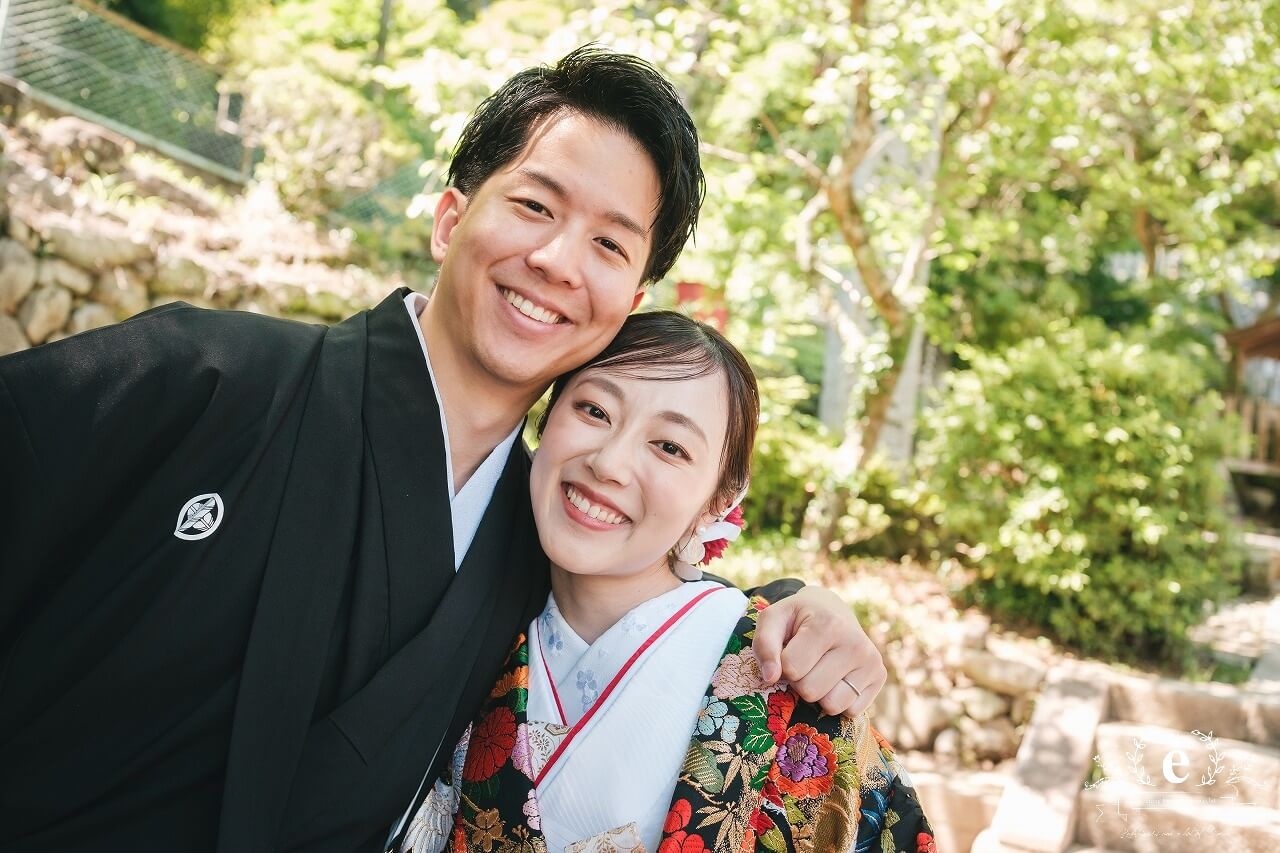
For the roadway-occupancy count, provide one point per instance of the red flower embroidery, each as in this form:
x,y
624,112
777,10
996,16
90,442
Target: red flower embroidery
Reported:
x,y
682,842
678,817
806,763
924,843
491,745
761,822
679,841
780,706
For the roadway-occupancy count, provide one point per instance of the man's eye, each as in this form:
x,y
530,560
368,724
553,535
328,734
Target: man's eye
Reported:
x,y
612,246
536,207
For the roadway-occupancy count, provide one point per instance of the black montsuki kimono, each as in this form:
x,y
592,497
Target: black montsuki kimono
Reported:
x,y
283,681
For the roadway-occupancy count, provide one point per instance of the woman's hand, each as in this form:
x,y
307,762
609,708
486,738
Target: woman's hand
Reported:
x,y
813,640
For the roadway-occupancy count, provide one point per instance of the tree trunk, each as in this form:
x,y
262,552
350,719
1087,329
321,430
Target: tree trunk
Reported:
x,y
384,31
898,434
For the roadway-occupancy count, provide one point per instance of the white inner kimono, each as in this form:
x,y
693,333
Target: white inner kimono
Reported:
x,y
610,787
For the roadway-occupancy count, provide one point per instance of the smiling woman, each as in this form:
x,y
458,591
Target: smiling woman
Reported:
x,y
636,700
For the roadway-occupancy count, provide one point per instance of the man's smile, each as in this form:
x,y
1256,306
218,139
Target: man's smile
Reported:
x,y
529,308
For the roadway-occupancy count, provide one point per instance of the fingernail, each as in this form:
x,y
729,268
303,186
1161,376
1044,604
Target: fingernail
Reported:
x,y
769,672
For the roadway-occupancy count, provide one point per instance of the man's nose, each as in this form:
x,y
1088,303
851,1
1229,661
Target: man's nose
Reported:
x,y
559,258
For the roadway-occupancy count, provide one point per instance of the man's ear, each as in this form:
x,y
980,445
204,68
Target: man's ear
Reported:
x,y
640,294
449,209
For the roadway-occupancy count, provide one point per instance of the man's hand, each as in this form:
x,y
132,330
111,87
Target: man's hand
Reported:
x,y
827,657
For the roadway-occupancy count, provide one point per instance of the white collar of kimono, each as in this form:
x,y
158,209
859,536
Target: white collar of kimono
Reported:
x,y
579,670
615,780
467,506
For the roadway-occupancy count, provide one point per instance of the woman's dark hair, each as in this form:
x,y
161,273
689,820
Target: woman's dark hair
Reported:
x,y
666,346
620,91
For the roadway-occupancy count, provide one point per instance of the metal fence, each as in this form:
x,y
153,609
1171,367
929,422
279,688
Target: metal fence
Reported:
x,y
80,59
387,203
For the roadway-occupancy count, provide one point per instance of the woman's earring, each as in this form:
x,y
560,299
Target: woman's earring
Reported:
x,y
691,550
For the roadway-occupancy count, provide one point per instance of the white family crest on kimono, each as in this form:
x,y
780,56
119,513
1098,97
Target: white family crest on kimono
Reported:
x,y
604,761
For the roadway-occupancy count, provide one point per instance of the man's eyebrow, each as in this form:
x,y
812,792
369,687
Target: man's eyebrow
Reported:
x,y
617,217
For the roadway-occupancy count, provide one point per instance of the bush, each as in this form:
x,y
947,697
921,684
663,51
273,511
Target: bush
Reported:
x,y
892,514
1080,469
321,142
790,450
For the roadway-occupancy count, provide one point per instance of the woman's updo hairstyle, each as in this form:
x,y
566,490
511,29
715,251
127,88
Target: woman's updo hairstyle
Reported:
x,y
668,346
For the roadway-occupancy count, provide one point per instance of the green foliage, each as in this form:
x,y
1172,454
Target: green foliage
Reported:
x,y
893,514
789,454
188,22
1079,469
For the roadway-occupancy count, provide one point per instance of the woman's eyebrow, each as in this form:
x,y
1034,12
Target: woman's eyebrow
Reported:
x,y
606,385
684,421
613,388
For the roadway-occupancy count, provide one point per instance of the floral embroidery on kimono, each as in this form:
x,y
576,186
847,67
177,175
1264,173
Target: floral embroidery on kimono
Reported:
x,y
792,778
763,772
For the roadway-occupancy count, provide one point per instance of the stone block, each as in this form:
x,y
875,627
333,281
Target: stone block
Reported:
x,y
90,315
909,720
12,338
1129,817
959,804
44,312
178,276
56,271
18,273
1230,712
1010,677
121,290
94,249
980,703
989,741
1038,808
1182,763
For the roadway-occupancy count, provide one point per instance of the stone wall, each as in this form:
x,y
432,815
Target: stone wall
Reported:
x,y
92,232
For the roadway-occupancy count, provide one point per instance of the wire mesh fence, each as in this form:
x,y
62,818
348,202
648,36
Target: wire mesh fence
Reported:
x,y
387,202
88,62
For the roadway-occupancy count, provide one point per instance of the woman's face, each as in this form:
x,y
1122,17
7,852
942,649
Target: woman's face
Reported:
x,y
626,468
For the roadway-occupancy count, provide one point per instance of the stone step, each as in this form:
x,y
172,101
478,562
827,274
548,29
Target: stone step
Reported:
x,y
1127,817
960,804
986,843
1189,763
1238,713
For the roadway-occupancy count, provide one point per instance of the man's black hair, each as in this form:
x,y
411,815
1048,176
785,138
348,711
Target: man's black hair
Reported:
x,y
621,91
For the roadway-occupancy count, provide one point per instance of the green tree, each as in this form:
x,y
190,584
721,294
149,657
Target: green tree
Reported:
x,y
188,22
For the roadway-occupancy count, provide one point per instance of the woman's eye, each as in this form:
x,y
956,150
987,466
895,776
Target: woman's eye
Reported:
x,y
672,449
593,411
612,246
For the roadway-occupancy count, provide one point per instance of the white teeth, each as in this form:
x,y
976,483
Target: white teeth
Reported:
x,y
591,510
527,308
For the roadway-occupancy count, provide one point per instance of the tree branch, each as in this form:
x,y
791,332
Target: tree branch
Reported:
x,y
806,165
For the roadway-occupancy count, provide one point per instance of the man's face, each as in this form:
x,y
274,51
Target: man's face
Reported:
x,y
541,265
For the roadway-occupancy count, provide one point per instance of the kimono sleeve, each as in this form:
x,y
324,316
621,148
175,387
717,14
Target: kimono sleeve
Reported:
x,y
85,419
888,810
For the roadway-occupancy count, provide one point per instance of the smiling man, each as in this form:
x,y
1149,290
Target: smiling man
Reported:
x,y
254,573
